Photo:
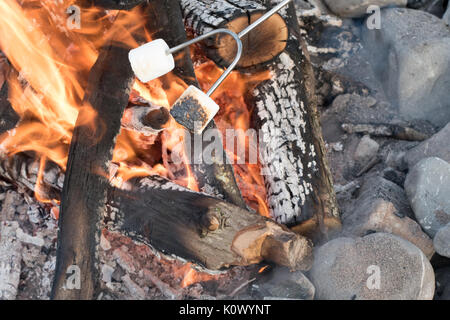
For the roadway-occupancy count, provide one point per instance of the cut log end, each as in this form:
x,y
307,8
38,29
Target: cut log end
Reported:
x,y
261,45
274,243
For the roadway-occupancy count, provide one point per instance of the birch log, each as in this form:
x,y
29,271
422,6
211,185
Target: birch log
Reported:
x,y
297,176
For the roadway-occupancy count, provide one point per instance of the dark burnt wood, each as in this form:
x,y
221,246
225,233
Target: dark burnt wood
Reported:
x,y
84,193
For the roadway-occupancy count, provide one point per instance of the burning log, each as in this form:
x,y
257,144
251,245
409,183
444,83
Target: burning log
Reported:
x,y
217,179
296,173
196,227
84,193
262,45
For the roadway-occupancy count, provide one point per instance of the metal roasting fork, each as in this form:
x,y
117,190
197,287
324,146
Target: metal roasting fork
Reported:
x,y
237,37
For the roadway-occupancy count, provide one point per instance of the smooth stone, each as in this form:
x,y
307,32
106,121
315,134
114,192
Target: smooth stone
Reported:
x,y
427,186
379,266
410,54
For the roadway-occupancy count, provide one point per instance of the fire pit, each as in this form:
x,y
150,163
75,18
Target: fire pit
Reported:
x,y
113,188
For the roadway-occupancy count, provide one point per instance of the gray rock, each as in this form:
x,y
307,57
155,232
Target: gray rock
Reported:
x,y
367,149
382,206
358,8
437,146
380,216
427,186
410,55
377,188
442,241
357,109
377,266
282,283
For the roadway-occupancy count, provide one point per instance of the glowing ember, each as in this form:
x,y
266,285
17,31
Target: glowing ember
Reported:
x,y
191,276
263,269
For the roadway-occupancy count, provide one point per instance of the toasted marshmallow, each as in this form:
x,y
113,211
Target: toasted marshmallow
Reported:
x,y
194,110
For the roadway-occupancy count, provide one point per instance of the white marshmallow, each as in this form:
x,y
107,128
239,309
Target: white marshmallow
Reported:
x,y
194,109
151,60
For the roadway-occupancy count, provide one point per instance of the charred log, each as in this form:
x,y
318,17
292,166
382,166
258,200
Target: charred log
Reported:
x,y
84,193
298,178
261,46
147,120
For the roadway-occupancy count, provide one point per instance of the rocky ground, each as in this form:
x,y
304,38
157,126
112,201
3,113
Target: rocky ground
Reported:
x,y
384,98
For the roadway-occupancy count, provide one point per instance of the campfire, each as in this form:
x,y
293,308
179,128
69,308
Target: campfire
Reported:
x,y
179,150
100,150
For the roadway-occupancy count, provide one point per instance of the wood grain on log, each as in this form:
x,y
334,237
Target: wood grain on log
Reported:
x,y
217,178
262,45
84,193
